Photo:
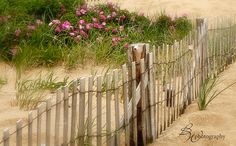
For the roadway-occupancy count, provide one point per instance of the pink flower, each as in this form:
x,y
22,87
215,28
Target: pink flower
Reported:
x,y
84,34
77,38
114,30
95,20
81,27
101,13
106,29
17,32
108,16
81,22
72,34
103,23
80,12
116,39
113,14
66,25
122,28
122,17
88,26
57,22
14,50
58,29
126,45
83,11
31,27
96,25
102,17
114,43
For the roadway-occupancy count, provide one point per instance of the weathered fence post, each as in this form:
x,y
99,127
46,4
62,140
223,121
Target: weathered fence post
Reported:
x,y
6,137
202,46
137,52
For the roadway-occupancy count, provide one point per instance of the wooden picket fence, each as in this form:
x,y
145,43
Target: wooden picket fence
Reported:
x,y
135,104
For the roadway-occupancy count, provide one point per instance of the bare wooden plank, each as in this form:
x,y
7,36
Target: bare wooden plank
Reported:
x,y
178,79
57,117
162,94
108,109
126,101
81,128
117,112
172,84
99,110
143,102
19,124
73,113
154,89
90,108
167,86
30,128
158,90
134,107
39,122
6,137
48,121
151,96
65,116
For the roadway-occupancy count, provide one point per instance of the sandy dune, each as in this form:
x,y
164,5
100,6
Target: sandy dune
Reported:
x,y
218,120
193,8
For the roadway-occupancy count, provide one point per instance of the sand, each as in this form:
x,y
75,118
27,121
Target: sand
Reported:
x,y
219,119
220,116
193,8
9,113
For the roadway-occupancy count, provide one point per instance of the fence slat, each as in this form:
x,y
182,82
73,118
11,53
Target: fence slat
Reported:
x,y
65,116
99,110
162,94
39,121
81,128
143,101
73,113
30,128
134,105
117,112
156,59
57,117
6,137
19,124
177,79
175,56
165,86
48,121
126,101
90,104
108,109
151,97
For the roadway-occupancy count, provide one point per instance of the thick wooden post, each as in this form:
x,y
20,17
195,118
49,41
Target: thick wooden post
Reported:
x,y
137,52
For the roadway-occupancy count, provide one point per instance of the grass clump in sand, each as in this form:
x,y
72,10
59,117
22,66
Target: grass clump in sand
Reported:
x,y
207,95
31,92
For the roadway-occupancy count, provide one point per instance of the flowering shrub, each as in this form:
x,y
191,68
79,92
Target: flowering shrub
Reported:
x,y
71,25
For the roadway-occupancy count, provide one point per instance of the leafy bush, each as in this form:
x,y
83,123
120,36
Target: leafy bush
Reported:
x,y
46,32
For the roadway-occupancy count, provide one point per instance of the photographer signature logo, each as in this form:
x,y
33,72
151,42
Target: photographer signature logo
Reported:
x,y
196,136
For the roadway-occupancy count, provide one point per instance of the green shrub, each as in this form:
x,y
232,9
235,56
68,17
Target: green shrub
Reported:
x,y
43,45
